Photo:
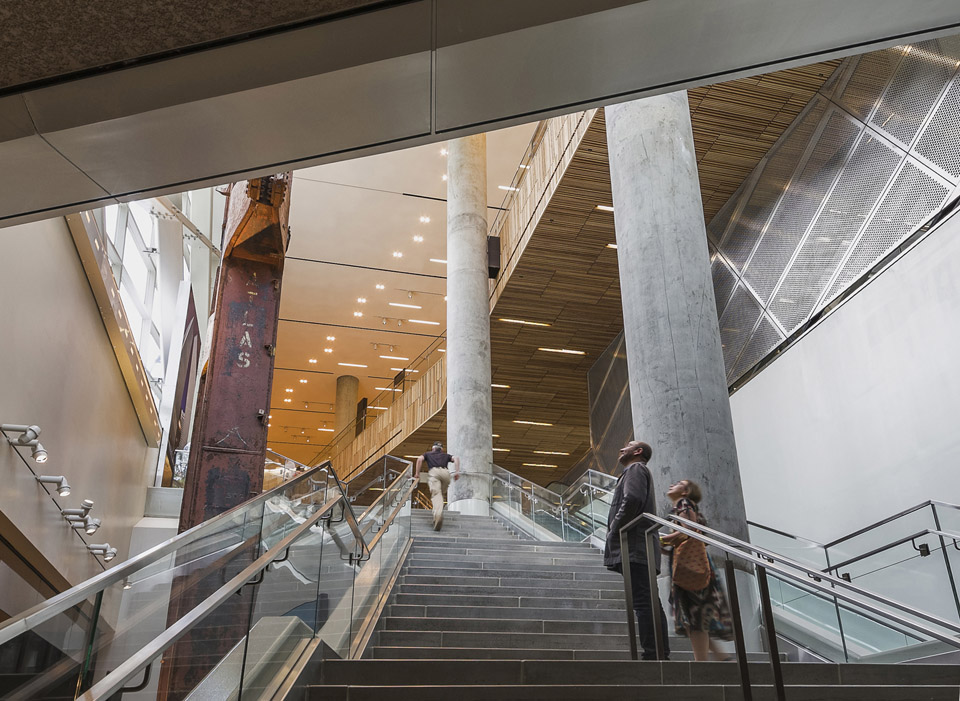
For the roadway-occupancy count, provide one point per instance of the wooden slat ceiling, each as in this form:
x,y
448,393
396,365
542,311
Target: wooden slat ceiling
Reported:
x,y
568,277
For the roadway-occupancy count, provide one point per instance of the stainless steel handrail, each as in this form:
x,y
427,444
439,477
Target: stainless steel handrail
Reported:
x,y
892,544
46,610
888,519
764,560
133,665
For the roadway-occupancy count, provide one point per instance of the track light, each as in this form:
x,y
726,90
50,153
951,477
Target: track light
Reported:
x,y
84,509
105,550
63,489
29,436
87,523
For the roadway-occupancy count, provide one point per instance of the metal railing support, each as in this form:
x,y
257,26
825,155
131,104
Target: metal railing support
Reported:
x,y
628,593
741,646
770,631
651,535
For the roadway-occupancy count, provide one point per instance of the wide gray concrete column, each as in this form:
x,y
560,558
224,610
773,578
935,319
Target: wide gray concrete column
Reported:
x,y
345,405
678,387
469,405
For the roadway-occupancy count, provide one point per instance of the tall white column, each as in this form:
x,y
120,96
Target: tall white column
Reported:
x,y
469,405
345,404
678,387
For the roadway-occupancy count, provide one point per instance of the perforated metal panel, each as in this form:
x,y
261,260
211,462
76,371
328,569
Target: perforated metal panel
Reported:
x,y
737,324
870,76
723,283
763,198
764,339
913,196
853,197
920,78
800,203
940,141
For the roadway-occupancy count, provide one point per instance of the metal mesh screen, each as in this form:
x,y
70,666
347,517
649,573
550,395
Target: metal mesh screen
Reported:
x,y
611,418
723,283
920,78
764,339
912,198
800,203
853,197
870,76
737,323
762,199
940,141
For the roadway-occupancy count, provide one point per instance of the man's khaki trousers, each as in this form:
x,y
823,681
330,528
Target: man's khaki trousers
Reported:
x,y
438,479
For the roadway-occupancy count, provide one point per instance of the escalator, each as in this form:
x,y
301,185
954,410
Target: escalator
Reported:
x,y
303,567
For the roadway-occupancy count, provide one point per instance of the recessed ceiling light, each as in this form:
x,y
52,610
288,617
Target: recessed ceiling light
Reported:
x,y
405,306
398,254
441,350
352,365
361,300
303,382
288,389
524,166
563,350
269,425
537,464
438,260
379,286
444,177
424,220
604,208
331,338
328,350
313,360
531,423
501,386
288,400
269,416
358,314
443,152
423,321
508,188
394,357
501,450
388,389
549,452
521,321
612,245
418,239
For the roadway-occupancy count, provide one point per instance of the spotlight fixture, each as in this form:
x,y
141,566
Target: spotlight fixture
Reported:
x,y
127,584
29,436
63,489
105,550
87,523
84,509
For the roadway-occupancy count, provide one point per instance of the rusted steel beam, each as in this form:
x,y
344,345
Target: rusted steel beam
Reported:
x,y
229,440
230,430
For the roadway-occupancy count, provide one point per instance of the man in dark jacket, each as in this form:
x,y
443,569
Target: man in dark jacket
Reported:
x,y
633,496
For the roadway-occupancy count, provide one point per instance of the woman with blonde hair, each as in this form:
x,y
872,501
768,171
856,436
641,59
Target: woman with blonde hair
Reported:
x,y
702,614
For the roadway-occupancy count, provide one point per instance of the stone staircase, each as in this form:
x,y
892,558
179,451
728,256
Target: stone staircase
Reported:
x,y
480,613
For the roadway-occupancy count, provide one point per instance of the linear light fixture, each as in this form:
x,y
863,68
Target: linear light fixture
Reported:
x,y
501,450
352,365
405,306
537,464
388,389
381,408
441,350
495,435
403,370
423,321
508,188
531,423
604,208
328,430
393,357
527,323
438,260
550,452
501,386
563,350
612,245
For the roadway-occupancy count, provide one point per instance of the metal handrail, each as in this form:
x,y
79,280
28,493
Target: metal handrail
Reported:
x,y
113,681
892,544
46,610
784,534
764,560
888,519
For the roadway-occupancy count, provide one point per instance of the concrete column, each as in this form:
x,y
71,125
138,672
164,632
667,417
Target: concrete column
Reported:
x,y
678,387
469,405
345,407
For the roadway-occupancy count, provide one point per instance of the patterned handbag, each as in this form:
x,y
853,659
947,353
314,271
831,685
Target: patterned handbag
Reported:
x,y
691,567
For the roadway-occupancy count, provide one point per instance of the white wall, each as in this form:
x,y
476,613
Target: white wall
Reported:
x,y
861,418
58,370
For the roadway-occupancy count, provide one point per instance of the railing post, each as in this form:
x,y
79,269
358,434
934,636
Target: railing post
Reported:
x,y
742,663
770,631
628,593
836,605
946,559
651,535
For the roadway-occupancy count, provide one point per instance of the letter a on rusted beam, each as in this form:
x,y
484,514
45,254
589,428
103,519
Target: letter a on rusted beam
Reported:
x,y
229,439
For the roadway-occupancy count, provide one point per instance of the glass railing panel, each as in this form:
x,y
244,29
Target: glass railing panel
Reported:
x,y
335,576
799,549
948,517
881,535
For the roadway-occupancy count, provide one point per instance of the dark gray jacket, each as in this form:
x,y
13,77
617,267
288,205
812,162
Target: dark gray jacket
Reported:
x,y
632,496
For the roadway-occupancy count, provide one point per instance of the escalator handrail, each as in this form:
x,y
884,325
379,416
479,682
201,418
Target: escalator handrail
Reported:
x,y
46,610
134,664
810,576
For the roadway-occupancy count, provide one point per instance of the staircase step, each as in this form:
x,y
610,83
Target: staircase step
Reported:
x,y
543,614
502,586
519,562
598,575
564,641
528,601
